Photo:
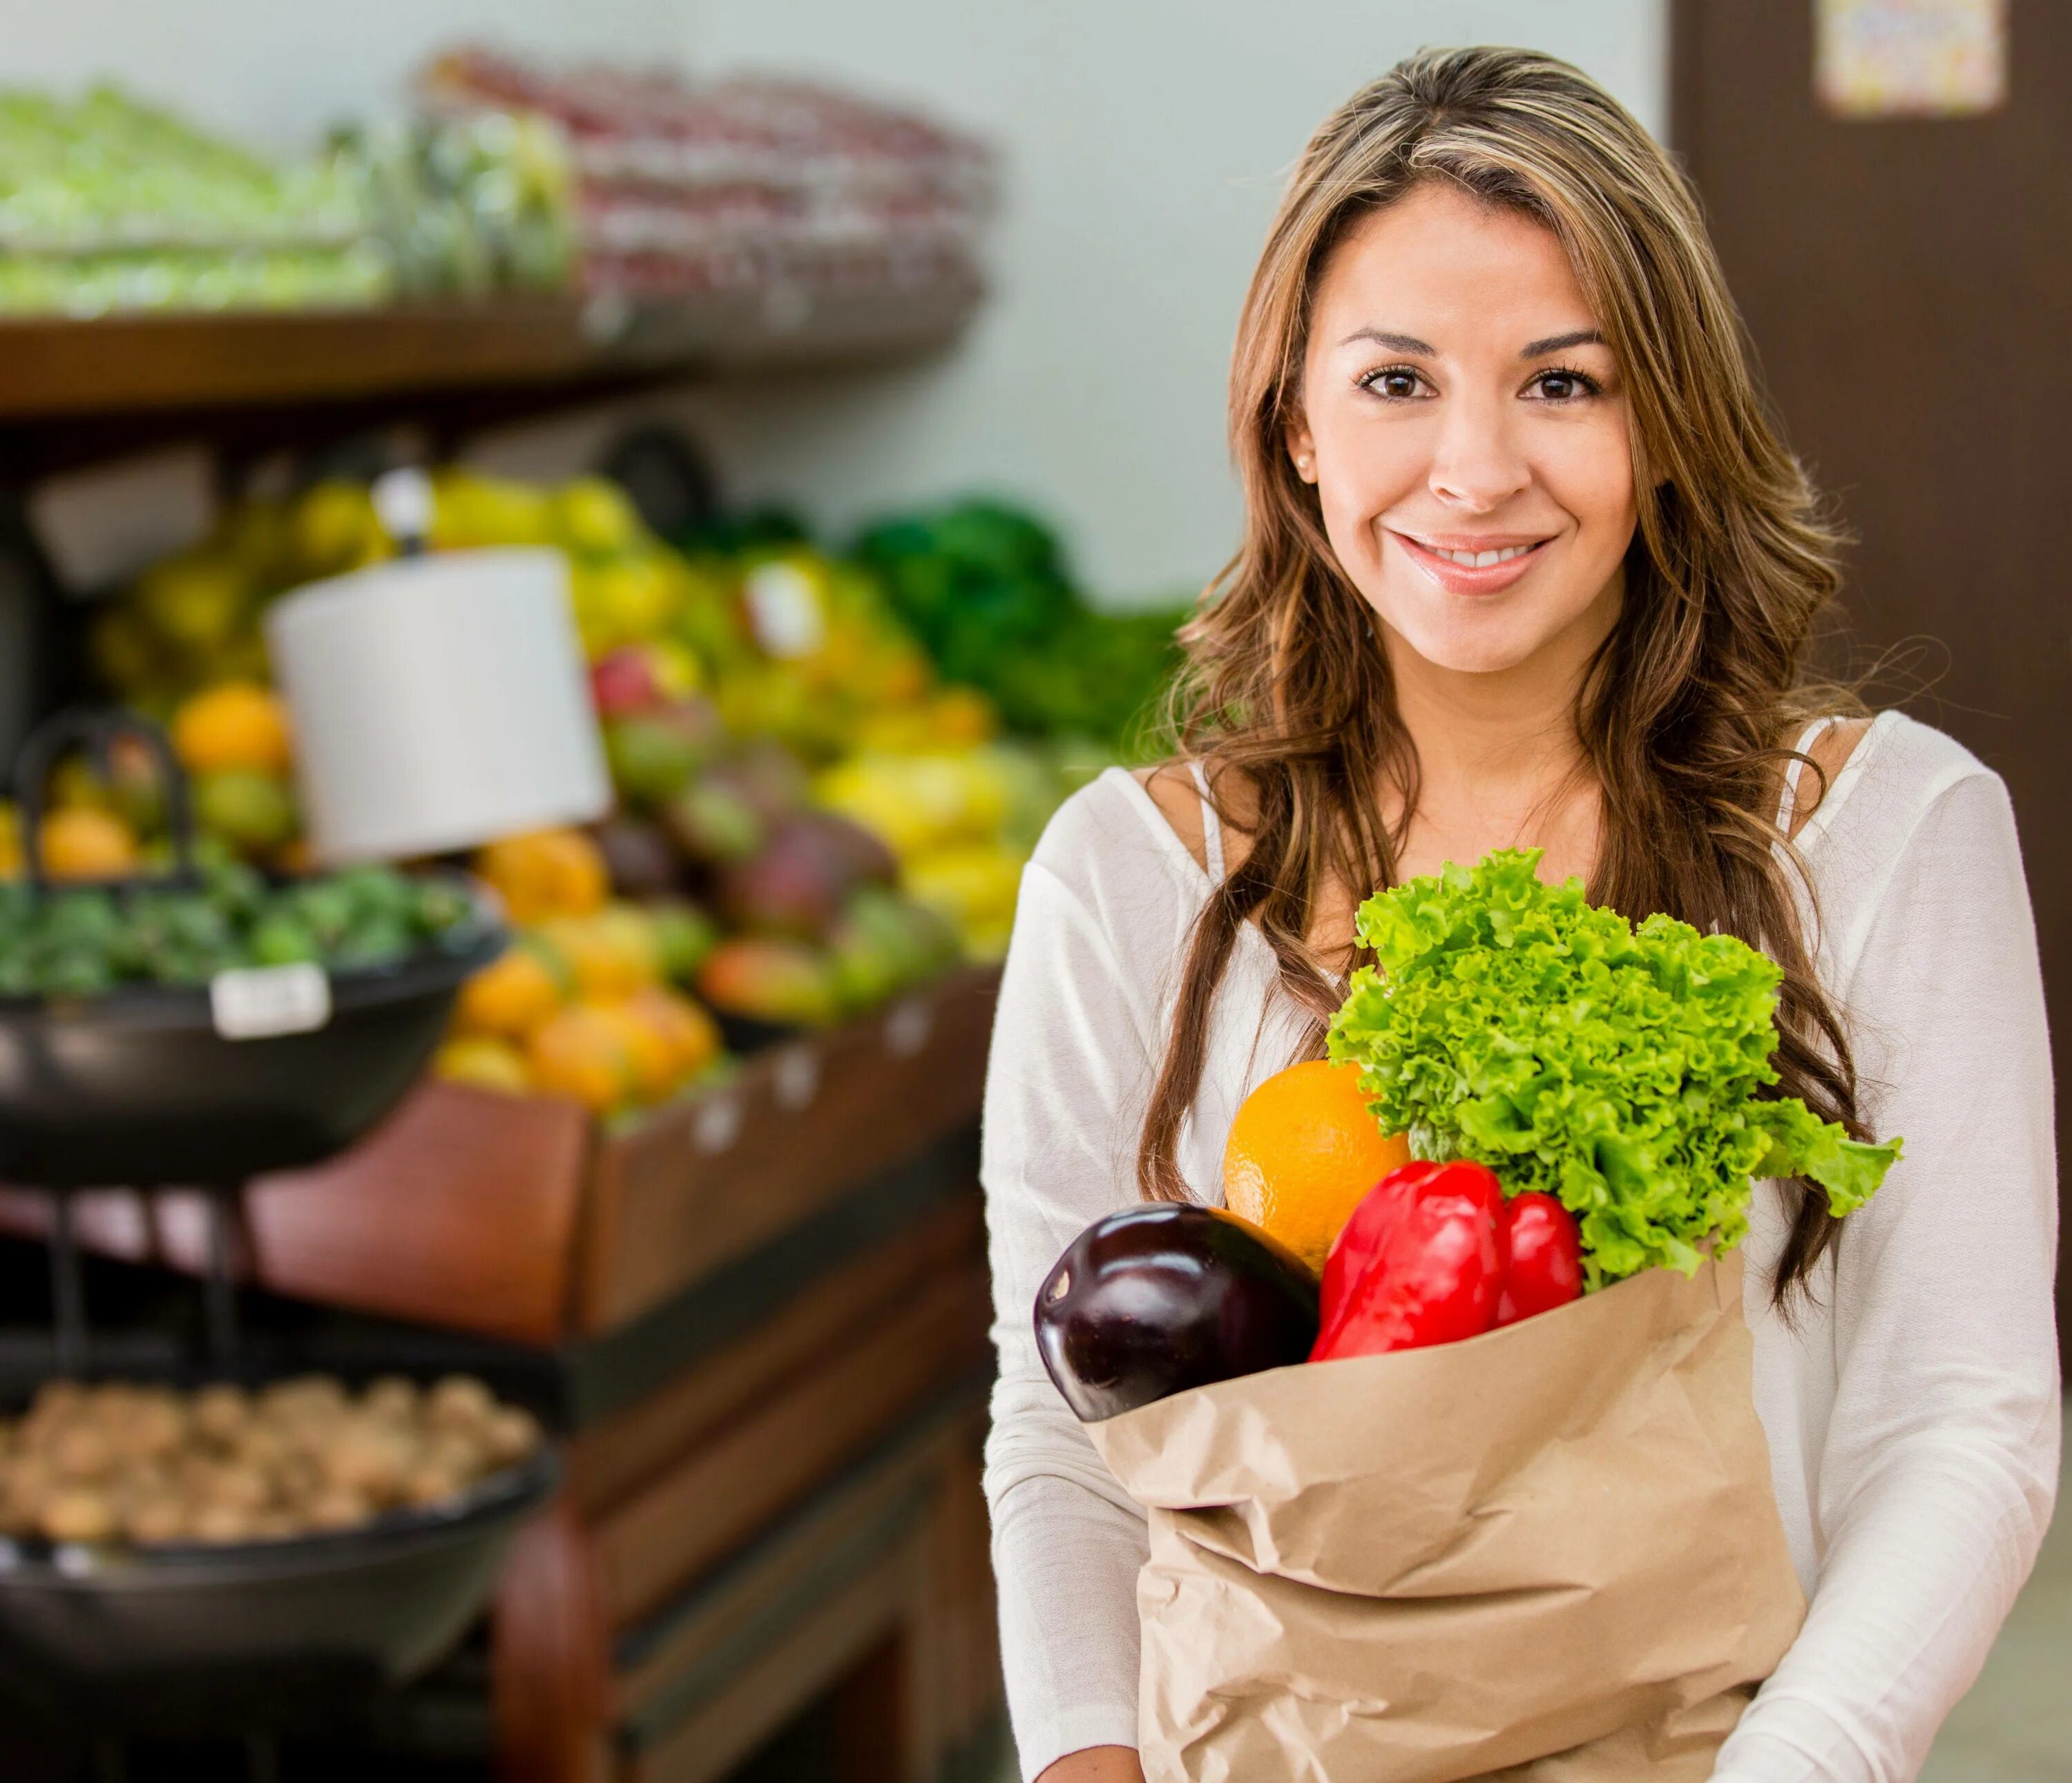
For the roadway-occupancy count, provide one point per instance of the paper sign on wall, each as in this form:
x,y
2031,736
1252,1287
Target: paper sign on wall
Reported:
x,y
1910,58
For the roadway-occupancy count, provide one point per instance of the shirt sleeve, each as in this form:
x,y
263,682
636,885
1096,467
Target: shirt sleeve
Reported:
x,y
1936,1481
1063,1099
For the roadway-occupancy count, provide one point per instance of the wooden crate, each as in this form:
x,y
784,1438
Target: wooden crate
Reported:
x,y
517,1218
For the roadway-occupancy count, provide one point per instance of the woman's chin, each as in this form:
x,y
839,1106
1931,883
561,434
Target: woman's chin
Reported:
x,y
1469,650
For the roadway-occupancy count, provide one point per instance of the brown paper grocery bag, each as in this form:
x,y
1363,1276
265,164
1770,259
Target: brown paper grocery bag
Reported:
x,y
1550,1553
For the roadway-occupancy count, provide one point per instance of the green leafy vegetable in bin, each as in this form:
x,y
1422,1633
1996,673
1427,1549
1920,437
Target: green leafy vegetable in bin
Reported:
x,y
84,941
1620,1069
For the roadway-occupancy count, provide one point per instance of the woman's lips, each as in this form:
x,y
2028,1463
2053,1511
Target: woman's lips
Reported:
x,y
1456,577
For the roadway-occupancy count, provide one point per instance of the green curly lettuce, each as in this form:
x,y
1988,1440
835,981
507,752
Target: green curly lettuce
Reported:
x,y
1617,1068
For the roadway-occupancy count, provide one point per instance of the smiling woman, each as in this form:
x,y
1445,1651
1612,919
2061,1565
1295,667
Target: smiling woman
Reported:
x,y
1473,470
1526,563
1483,442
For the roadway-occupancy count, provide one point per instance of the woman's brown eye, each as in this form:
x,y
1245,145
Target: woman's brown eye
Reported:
x,y
1393,384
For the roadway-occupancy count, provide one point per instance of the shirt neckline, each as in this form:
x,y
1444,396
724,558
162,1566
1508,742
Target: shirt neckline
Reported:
x,y
1816,826
1844,784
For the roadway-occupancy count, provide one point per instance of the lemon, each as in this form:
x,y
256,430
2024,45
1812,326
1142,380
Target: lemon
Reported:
x,y
593,516
334,528
470,511
485,1063
125,654
629,601
195,600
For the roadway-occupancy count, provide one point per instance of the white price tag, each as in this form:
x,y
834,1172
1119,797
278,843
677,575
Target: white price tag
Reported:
x,y
796,1076
784,609
262,1001
716,1125
907,1028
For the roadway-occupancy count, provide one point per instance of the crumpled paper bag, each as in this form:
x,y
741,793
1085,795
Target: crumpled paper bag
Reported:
x,y
1550,1553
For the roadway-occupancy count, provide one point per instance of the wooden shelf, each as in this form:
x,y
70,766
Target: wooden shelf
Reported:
x,y
72,390
52,368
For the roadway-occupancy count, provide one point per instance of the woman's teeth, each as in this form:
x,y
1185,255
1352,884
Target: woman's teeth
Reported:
x,y
1481,560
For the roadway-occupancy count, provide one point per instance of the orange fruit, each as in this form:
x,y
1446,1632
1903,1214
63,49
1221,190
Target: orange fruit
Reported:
x,y
650,1056
1303,1152
82,842
545,874
693,1036
235,725
511,996
582,1052
486,1063
612,954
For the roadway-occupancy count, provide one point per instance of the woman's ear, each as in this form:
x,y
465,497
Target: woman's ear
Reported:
x,y
1302,450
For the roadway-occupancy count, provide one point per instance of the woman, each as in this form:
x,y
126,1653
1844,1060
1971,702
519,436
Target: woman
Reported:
x,y
1525,563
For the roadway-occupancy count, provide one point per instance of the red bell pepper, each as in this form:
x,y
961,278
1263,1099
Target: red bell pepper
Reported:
x,y
1361,1239
1543,1258
1422,1263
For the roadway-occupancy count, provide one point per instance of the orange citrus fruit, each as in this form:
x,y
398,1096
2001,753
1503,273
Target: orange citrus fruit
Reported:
x,y
1303,1152
548,873
234,726
582,1053
649,1056
511,996
82,842
692,1036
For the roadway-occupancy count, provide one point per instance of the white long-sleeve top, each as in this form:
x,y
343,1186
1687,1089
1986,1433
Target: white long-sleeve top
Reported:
x,y
1913,1413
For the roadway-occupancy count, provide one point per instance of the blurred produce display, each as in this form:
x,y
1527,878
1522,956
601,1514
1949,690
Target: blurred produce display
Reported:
x,y
82,941
819,804
985,589
118,1463
589,1003
740,185
508,174
466,206
107,203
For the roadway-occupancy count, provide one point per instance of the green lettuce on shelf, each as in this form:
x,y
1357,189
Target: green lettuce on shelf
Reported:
x,y
1620,1069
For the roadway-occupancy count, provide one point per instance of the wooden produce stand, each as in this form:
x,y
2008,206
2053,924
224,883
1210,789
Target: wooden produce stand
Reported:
x,y
763,1314
758,1318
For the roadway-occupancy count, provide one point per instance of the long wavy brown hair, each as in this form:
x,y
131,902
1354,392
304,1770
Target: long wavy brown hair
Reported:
x,y
1685,716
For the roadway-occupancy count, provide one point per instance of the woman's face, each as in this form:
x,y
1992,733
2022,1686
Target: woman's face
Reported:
x,y
1466,431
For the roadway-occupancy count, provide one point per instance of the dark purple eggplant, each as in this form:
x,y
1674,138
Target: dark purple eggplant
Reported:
x,y
1158,1299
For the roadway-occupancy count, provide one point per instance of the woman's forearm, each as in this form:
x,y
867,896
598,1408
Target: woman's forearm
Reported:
x,y
1095,1765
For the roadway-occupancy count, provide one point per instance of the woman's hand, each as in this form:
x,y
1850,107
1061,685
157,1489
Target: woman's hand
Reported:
x,y
1095,1765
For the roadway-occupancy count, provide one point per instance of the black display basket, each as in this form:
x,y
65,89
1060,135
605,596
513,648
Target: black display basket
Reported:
x,y
140,1085
141,1088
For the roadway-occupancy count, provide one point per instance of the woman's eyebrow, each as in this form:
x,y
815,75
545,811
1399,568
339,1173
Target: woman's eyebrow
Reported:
x,y
1395,344
1556,344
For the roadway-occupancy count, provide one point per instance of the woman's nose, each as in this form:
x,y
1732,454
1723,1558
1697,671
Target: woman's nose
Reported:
x,y
1476,466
